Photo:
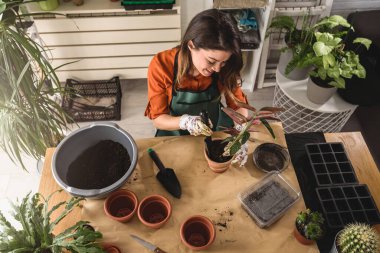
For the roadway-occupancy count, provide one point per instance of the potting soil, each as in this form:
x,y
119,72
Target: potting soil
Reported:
x,y
268,201
216,150
98,166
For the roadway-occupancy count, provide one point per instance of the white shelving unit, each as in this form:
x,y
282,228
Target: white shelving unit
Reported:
x,y
251,68
101,40
251,57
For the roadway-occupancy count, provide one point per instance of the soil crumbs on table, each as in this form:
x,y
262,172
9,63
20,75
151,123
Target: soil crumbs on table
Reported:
x,y
224,217
268,201
99,166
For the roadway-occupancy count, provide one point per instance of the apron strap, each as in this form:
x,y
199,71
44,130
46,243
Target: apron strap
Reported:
x,y
175,71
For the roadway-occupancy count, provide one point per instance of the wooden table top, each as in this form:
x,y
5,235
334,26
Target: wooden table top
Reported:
x,y
361,159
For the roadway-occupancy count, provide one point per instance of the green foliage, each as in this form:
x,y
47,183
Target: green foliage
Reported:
x,y
36,234
297,40
332,62
358,238
309,224
31,118
322,46
241,134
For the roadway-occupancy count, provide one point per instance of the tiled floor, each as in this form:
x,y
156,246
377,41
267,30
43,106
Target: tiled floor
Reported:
x,y
16,183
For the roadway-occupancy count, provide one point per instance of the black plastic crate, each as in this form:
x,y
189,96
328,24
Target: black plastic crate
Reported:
x,y
330,164
93,100
346,204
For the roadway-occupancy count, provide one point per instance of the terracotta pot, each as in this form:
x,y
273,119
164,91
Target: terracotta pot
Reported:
x,y
217,166
197,232
154,211
111,249
121,205
302,239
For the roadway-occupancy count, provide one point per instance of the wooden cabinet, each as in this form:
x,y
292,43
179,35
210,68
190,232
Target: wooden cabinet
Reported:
x,y
100,39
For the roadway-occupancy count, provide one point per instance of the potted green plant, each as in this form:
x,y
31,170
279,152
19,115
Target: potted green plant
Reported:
x,y
309,226
219,153
36,233
356,238
31,118
332,62
298,44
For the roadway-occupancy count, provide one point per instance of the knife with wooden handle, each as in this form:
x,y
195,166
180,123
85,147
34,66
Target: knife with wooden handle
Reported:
x,y
147,245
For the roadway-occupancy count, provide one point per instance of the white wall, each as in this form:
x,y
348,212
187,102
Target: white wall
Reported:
x,y
344,7
189,8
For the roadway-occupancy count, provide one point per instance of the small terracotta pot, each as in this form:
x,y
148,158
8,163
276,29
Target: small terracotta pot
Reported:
x,y
154,211
121,205
302,239
216,166
197,232
111,249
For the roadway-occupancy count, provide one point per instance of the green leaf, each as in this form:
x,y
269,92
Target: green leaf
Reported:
x,y
2,6
321,72
363,41
245,137
321,48
268,127
235,148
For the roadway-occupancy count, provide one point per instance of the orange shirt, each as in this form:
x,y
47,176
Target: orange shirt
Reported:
x,y
160,79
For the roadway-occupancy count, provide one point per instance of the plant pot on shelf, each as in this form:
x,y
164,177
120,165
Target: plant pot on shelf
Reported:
x,y
318,91
48,5
214,150
297,73
301,238
197,232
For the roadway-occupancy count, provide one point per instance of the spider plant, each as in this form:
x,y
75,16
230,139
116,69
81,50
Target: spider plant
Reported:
x,y
31,118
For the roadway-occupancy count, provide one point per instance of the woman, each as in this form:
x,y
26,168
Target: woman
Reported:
x,y
190,78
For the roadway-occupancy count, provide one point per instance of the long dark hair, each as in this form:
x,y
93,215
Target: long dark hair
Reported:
x,y
213,30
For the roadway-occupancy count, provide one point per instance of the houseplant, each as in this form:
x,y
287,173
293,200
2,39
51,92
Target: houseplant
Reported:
x,y
298,44
219,153
31,118
36,233
309,226
355,238
332,61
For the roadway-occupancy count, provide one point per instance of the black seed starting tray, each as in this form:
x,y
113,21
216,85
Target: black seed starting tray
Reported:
x,y
330,164
346,204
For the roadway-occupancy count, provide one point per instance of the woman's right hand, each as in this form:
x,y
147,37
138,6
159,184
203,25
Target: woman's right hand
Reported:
x,y
194,125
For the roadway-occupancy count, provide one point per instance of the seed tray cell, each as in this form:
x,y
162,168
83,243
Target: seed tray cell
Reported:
x,y
330,164
343,204
267,200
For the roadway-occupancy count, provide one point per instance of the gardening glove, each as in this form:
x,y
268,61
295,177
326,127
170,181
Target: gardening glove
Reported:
x,y
241,156
194,125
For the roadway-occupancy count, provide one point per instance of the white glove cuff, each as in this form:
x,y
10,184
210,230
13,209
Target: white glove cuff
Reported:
x,y
183,121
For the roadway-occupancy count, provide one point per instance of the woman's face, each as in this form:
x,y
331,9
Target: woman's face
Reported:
x,y
207,61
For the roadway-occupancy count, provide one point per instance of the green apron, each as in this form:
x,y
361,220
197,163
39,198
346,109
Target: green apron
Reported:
x,y
193,102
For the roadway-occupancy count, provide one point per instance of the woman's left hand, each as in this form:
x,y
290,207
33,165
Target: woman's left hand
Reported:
x,y
241,156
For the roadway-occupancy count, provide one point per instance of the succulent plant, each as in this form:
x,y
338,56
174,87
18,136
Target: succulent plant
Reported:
x,y
309,224
358,237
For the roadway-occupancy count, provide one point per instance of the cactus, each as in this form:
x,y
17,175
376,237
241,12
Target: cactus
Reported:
x,y
358,237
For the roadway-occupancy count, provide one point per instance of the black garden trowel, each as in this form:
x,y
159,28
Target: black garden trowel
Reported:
x,y
166,176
